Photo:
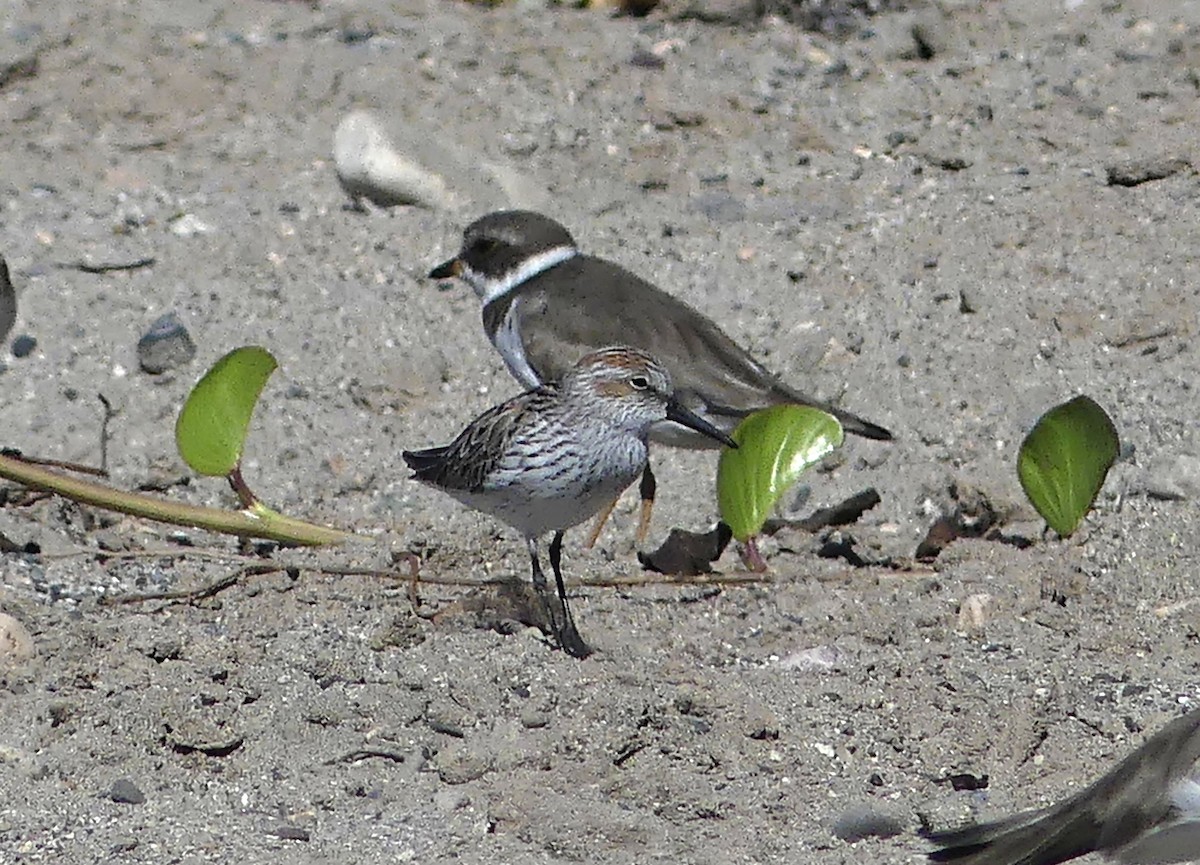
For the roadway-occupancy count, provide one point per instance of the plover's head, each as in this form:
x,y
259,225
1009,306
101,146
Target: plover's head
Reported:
x,y
632,390
505,248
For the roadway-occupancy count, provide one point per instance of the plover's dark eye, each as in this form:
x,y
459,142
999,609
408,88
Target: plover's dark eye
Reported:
x,y
639,382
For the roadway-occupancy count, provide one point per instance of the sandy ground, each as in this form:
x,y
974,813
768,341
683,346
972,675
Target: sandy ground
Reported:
x,y
933,242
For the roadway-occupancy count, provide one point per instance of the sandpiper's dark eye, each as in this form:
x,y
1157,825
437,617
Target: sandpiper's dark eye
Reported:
x,y
485,245
639,382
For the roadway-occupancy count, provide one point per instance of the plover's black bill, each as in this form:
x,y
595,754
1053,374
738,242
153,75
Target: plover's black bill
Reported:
x,y
446,269
688,418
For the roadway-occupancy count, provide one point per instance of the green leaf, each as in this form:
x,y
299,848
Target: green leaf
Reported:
x,y
1064,460
211,429
775,446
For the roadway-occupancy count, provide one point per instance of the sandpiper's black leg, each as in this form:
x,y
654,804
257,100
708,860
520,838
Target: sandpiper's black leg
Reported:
x,y
647,490
568,636
549,601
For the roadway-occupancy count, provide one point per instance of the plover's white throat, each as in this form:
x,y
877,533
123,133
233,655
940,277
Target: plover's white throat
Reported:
x,y
1146,810
556,455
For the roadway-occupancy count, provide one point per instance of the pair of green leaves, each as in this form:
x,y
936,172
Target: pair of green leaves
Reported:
x,y
1062,463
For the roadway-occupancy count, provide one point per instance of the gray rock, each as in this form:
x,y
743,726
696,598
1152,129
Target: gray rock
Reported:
x,y
165,346
1174,477
126,792
864,821
24,345
1135,172
720,207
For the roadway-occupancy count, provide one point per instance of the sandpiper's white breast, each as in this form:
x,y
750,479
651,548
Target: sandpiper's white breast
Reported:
x,y
547,488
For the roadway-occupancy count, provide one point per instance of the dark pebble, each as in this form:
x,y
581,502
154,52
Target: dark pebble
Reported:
x,y
1138,171
23,345
292,833
126,792
165,346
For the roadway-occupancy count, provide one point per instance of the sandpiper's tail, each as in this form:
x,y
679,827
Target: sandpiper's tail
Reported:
x,y
425,463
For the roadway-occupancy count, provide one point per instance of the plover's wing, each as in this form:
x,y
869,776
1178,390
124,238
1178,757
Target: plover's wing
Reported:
x,y
608,305
468,461
1142,799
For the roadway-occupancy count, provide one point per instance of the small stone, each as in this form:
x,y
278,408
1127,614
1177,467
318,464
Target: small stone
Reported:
x,y
972,613
461,765
815,659
1174,477
16,644
531,719
165,346
23,345
189,225
518,144
863,821
126,792
292,833
1135,172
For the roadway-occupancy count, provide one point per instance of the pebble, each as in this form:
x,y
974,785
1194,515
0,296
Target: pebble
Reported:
x,y
16,643
126,792
189,225
972,613
863,821
461,765
165,346
23,345
1135,172
817,659
369,166
1175,477
8,301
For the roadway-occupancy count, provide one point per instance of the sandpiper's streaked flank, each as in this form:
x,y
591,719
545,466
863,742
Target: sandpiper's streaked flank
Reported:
x,y
545,304
554,456
1146,810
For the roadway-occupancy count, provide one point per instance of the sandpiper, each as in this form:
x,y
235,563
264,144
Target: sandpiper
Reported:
x,y
557,454
1146,810
545,304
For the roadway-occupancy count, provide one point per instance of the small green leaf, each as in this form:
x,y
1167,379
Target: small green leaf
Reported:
x,y
211,429
775,446
1064,460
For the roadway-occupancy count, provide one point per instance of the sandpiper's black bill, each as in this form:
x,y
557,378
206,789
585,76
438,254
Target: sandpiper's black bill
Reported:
x,y
446,269
688,418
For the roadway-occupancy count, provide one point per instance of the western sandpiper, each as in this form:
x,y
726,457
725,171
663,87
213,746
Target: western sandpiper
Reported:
x,y
556,455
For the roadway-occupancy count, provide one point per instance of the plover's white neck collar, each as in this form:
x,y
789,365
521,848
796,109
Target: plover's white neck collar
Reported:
x,y
489,287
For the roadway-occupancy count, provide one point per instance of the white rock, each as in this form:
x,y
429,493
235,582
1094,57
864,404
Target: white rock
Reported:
x,y
370,167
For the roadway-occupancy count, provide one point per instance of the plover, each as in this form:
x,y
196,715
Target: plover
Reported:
x,y
557,454
1146,810
545,304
